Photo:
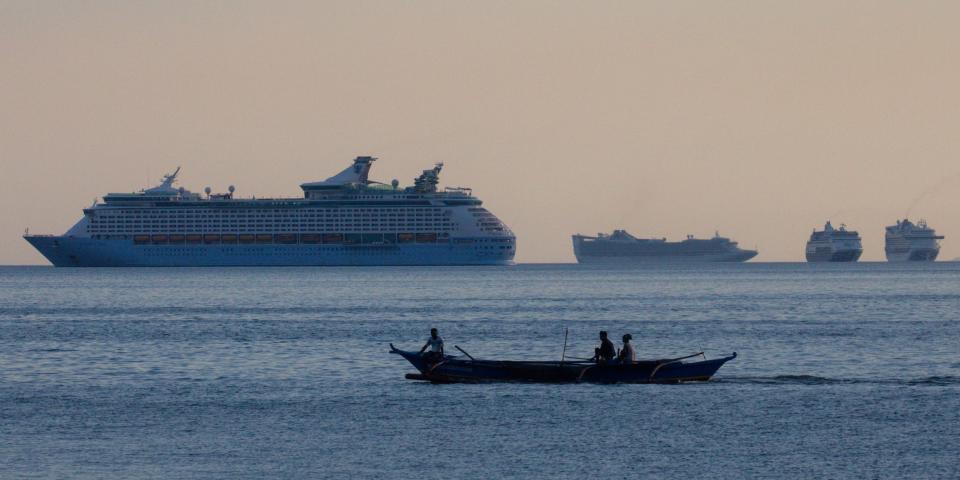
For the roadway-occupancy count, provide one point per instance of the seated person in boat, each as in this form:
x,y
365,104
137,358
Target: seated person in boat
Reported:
x,y
436,347
627,355
606,352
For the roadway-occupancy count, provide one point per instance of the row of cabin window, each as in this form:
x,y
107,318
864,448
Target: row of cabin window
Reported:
x,y
310,215
272,214
259,229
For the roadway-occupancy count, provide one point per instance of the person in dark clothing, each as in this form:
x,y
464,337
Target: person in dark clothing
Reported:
x,y
606,352
435,344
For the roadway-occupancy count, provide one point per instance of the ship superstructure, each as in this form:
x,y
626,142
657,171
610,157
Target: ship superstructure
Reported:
x,y
620,247
908,241
346,219
834,245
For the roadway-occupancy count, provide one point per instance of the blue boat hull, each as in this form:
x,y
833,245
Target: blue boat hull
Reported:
x,y
88,252
457,369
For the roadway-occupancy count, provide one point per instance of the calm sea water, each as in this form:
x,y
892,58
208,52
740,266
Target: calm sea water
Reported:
x,y
843,371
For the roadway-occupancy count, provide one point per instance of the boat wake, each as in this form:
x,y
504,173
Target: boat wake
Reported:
x,y
942,380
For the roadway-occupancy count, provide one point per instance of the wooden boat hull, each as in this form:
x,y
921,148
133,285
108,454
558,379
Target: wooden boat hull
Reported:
x,y
454,369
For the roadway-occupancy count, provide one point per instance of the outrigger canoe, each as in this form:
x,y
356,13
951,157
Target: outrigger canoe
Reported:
x,y
456,369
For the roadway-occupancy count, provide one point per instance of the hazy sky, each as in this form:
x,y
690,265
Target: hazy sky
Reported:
x,y
759,119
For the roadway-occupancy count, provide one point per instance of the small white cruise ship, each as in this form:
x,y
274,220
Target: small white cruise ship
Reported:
x,y
346,219
834,245
909,242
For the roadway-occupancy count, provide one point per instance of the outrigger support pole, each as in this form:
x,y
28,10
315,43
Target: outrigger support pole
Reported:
x,y
671,362
464,352
563,355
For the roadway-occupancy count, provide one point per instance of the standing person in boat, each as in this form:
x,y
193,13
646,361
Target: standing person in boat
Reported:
x,y
436,347
627,355
606,352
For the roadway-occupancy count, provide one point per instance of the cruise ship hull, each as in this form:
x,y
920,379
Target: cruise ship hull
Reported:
x,y
834,256
728,257
64,251
914,255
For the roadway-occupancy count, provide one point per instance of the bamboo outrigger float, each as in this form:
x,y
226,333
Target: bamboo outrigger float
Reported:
x,y
456,369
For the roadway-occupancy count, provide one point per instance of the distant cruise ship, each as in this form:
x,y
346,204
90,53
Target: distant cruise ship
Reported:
x,y
834,245
907,241
346,219
621,247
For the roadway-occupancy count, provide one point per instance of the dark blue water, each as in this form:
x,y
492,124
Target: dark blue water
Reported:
x,y
843,371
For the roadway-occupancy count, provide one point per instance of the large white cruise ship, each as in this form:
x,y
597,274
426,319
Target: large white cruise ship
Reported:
x,y
346,219
834,245
907,241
